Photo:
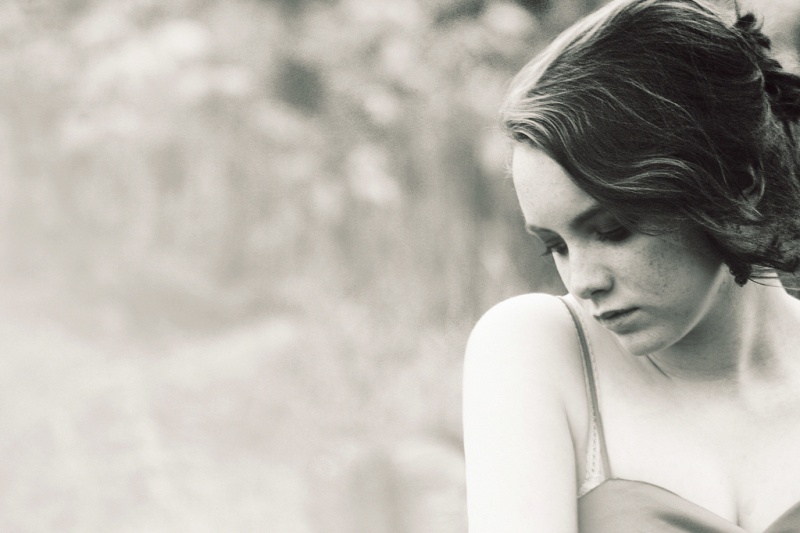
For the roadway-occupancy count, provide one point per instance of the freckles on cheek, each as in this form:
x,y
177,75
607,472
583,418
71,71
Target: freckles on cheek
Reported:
x,y
658,267
680,269
659,278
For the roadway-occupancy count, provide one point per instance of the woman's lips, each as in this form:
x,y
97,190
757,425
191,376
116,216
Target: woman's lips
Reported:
x,y
617,319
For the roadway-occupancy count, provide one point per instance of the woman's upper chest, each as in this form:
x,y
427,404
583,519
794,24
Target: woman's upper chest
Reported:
x,y
734,458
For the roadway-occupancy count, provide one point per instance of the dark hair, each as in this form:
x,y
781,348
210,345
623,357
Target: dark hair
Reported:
x,y
665,114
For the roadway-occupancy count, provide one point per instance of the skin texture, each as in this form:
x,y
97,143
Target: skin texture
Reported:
x,y
699,386
677,286
516,378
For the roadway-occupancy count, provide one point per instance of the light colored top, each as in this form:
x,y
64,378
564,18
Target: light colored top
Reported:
x,y
612,505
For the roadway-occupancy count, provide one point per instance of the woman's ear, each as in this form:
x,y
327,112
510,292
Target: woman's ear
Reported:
x,y
752,192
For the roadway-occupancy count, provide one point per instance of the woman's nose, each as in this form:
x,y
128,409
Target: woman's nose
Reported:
x,y
586,275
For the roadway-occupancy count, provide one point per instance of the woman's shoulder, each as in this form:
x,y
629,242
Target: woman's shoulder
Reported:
x,y
532,329
523,379
527,349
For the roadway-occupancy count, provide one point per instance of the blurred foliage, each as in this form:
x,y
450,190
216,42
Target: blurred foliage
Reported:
x,y
223,159
278,219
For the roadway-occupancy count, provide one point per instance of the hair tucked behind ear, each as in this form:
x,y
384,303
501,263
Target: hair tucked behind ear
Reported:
x,y
666,114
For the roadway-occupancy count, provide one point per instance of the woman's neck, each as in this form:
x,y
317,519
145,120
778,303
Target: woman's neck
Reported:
x,y
745,337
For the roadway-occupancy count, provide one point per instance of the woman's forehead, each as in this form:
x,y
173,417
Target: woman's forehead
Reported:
x,y
545,191
532,167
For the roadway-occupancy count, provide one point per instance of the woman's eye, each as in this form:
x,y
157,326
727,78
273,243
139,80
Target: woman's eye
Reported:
x,y
615,234
555,248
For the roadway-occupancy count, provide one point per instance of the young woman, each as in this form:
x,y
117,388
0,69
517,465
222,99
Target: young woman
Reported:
x,y
654,157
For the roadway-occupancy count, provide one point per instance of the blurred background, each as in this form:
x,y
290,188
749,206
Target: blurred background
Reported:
x,y
244,243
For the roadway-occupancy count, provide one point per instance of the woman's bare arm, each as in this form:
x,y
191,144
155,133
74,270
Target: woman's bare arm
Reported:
x,y
519,449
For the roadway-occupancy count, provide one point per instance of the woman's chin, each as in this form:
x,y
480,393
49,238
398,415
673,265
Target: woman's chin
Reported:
x,y
639,343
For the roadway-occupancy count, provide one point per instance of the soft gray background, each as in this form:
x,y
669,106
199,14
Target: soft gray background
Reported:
x,y
244,243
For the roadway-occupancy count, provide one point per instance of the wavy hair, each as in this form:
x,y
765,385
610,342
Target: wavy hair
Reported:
x,y
665,113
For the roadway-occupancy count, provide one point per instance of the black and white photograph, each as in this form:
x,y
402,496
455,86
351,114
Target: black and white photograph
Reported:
x,y
400,266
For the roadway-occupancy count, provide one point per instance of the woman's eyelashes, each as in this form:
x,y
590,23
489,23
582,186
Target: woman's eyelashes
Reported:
x,y
555,248
615,233
610,233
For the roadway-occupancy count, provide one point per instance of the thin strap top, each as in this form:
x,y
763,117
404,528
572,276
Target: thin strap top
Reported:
x,y
597,467
612,505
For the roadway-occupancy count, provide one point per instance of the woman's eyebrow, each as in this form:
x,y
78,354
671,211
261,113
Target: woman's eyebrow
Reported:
x,y
576,222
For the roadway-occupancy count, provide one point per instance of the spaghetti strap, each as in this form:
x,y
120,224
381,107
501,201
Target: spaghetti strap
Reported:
x,y
597,464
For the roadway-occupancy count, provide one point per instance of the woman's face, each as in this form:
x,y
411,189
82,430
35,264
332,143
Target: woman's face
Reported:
x,y
653,292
